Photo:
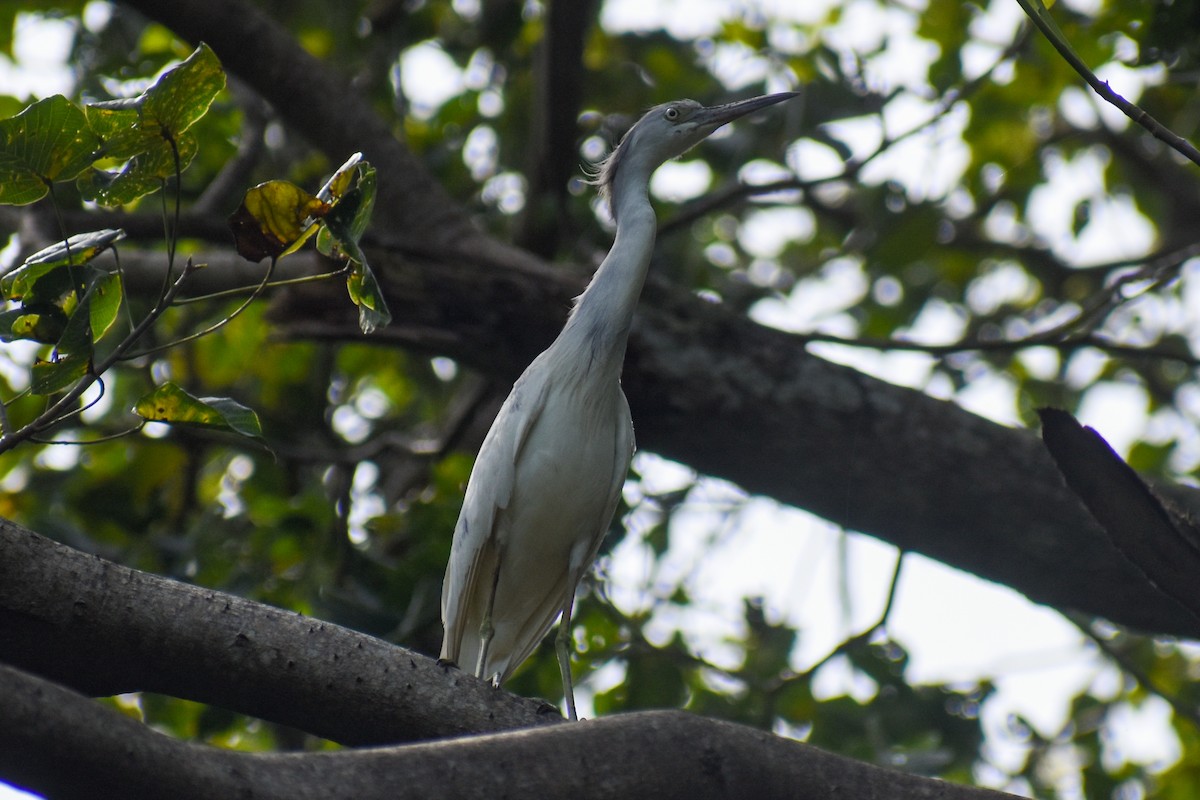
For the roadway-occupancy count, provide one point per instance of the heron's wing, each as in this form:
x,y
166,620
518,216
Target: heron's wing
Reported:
x,y
625,447
474,552
543,616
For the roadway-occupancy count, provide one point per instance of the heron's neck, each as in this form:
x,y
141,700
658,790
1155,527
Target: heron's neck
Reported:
x,y
602,318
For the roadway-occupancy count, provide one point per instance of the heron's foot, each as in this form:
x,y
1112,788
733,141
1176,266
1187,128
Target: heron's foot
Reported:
x,y
446,664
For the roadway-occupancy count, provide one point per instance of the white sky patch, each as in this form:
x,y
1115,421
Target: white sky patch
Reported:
x,y
808,12
364,504
1114,229
41,46
813,160
1042,362
938,322
1142,735
1003,283
481,151
766,232
991,395
991,32
1117,411
861,135
735,65
16,359
997,633
1078,107
929,163
812,301
679,181
683,19
505,191
428,78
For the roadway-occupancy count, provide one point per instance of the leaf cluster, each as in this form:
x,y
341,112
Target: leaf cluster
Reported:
x,y
912,215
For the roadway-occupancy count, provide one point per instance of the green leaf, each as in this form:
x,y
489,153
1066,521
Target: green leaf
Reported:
x,y
171,404
150,132
105,294
274,219
182,96
141,175
48,141
92,316
352,190
42,323
347,220
76,339
48,377
366,294
76,250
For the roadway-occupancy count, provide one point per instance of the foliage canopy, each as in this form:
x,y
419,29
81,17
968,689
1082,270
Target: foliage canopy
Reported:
x,y
948,195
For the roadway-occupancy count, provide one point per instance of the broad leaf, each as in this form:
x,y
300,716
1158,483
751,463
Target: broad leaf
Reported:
x,y
150,132
141,175
179,98
105,294
353,190
76,250
274,219
42,323
48,141
92,316
171,404
366,294
348,219
49,377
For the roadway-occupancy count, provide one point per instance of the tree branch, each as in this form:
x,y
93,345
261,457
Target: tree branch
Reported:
x,y
105,629
62,744
1040,16
707,386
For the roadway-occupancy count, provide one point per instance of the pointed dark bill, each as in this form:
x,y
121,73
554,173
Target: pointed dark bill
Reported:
x,y
715,116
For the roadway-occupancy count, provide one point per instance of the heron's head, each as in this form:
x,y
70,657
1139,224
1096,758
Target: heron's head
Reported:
x,y
670,130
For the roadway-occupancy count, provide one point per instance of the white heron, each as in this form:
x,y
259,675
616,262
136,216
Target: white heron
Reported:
x,y
547,479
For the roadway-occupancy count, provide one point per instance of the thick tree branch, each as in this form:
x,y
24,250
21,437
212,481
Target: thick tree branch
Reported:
x,y
740,401
105,629
707,387
60,743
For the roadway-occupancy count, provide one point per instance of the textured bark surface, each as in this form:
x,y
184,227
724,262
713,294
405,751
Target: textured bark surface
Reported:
x,y
66,746
105,629
707,387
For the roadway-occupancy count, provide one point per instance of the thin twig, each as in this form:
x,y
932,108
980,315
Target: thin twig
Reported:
x,y
1045,23
852,642
63,406
215,326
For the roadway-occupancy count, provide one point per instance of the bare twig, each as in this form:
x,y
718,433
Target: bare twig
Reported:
x,y
1040,17
852,642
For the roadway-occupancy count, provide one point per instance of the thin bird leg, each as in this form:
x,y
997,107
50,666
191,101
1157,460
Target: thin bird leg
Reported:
x,y
486,629
562,645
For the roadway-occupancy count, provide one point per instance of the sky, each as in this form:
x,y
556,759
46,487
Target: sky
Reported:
x,y
957,627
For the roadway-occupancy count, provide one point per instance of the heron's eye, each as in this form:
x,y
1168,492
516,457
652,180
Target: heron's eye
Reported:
x,y
672,113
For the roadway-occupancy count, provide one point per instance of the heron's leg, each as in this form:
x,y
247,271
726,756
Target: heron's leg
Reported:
x,y
486,629
562,644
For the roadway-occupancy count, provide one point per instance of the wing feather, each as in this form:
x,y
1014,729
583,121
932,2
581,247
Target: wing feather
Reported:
x,y
476,546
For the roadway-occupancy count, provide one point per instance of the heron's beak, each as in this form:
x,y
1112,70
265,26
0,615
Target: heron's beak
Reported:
x,y
711,118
